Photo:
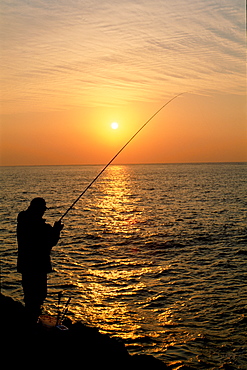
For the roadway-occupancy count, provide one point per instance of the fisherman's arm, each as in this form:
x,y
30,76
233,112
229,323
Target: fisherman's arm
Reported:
x,y
57,227
53,234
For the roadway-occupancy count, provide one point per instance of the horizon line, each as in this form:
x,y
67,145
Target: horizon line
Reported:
x,y
121,164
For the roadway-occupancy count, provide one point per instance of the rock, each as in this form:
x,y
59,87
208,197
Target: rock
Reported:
x,y
81,347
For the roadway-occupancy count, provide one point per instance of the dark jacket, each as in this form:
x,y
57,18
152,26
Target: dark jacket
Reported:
x,y
35,240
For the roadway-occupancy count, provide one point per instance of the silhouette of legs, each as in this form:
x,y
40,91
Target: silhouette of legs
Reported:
x,y
35,291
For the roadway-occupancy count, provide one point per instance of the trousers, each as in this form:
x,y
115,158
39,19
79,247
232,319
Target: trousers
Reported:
x,y
34,286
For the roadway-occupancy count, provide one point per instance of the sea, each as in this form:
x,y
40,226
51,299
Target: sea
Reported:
x,y
155,255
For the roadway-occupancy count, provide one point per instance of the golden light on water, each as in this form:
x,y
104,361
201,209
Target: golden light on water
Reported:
x,y
110,289
105,287
111,313
119,212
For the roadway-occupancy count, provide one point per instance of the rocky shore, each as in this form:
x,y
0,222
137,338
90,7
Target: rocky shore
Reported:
x,y
80,347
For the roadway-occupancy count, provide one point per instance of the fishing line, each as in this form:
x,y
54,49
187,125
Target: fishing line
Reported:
x,y
115,156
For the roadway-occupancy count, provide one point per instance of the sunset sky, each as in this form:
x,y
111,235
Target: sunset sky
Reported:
x,y
71,68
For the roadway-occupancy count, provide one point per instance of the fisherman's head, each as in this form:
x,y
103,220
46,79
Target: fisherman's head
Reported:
x,y
38,206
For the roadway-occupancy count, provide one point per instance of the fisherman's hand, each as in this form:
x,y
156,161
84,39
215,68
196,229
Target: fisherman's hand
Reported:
x,y
58,225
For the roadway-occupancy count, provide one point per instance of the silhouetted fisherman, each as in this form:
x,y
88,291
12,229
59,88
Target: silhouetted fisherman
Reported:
x,y
35,240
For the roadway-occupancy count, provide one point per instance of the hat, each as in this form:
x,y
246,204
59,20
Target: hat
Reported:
x,y
38,203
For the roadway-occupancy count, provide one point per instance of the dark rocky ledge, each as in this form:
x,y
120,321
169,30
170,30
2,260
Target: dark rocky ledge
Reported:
x,y
80,347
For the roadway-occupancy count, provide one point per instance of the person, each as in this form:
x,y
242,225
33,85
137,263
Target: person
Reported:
x,y
35,240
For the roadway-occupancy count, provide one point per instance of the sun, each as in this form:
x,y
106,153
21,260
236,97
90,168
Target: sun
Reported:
x,y
114,125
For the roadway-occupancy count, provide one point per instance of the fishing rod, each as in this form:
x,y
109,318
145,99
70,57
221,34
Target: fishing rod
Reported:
x,y
60,294
115,156
65,309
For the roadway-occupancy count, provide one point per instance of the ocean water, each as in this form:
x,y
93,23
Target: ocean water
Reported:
x,y
153,254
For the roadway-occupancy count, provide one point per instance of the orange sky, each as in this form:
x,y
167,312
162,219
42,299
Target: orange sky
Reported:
x,y
69,71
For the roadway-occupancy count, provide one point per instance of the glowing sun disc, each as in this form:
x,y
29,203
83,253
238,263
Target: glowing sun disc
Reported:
x,y
114,125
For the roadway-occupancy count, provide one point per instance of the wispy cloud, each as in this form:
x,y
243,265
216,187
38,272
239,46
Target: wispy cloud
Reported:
x,y
70,53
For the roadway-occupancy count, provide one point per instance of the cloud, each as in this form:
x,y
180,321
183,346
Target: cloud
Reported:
x,y
66,54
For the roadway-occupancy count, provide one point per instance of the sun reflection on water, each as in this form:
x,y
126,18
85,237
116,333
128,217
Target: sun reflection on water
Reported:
x,y
112,314
118,204
109,288
115,290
